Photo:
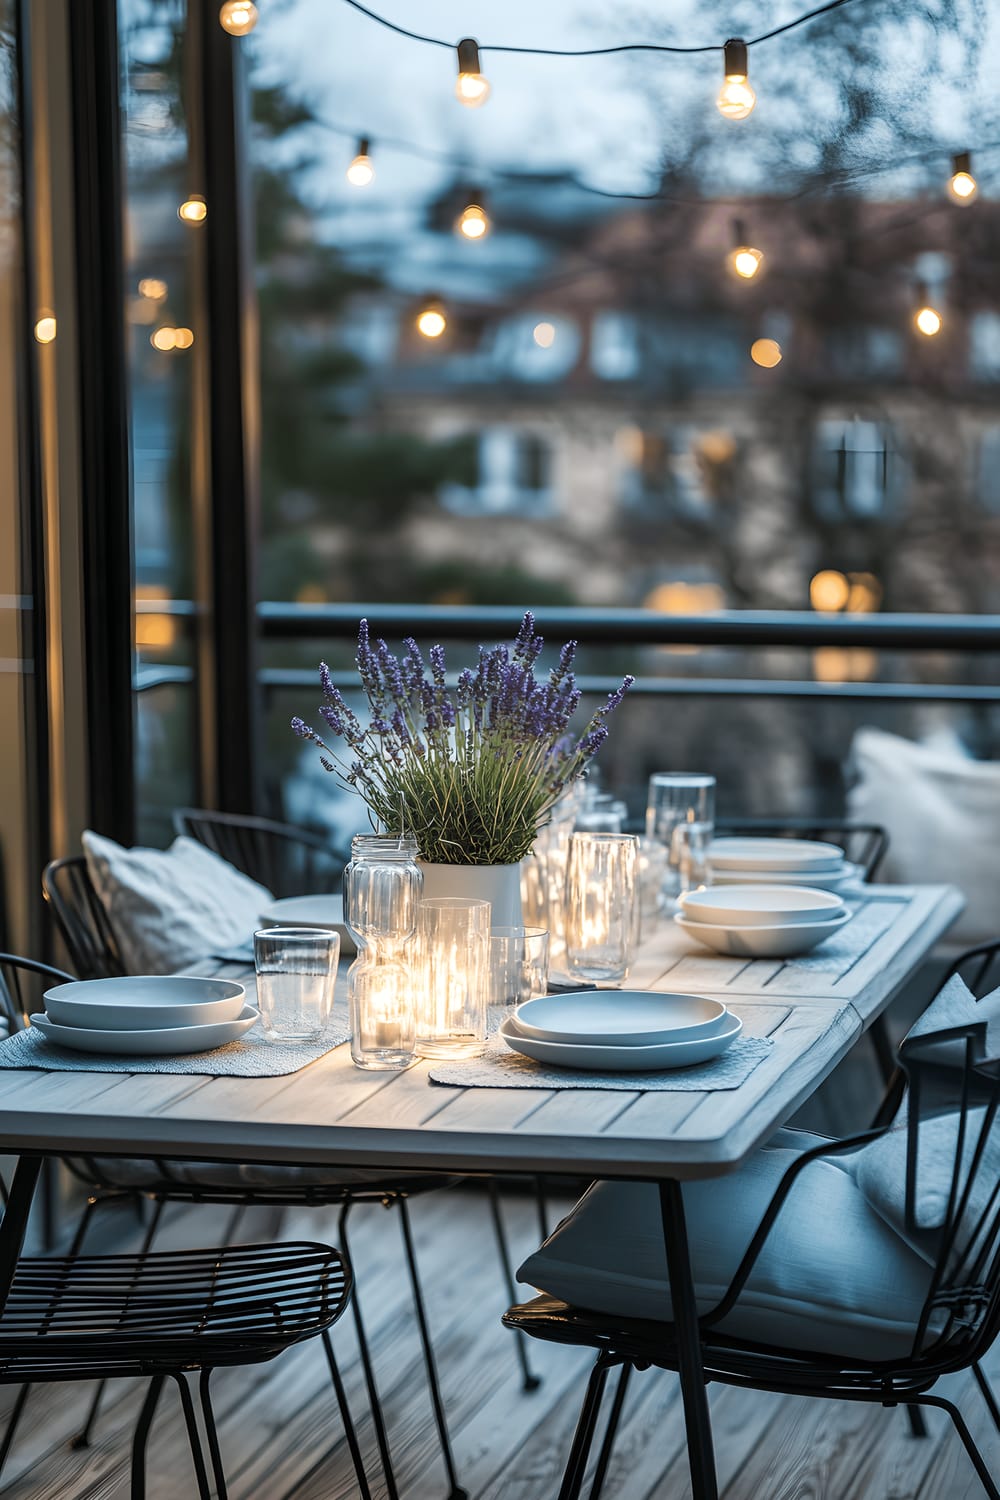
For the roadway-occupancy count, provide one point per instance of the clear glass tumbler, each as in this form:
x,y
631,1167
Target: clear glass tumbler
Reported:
x,y
602,906
382,886
451,974
677,797
519,967
296,972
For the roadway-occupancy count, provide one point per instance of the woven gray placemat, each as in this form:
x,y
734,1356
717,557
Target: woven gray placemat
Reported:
x,y
500,1068
252,1056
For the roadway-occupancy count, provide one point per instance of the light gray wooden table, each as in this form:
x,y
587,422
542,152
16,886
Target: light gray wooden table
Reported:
x,y
331,1113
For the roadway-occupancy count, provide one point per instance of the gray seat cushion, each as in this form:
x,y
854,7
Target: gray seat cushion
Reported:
x,y
833,1276
141,1175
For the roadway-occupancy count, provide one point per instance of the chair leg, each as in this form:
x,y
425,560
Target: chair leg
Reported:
x,y
214,1451
610,1433
884,1053
82,1439
918,1427
542,1204
190,1422
968,1442
455,1491
354,1448
12,1421
987,1390
142,1427
529,1380
576,1464
374,1400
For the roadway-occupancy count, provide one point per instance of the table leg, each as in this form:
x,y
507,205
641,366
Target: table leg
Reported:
x,y
697,1419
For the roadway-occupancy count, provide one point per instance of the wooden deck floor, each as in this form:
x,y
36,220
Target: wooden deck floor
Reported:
x,y
281,1435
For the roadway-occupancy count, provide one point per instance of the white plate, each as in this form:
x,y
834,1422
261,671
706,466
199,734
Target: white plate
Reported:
x,y
171,1042
608,1059
817,880
760,905
618,1018
311,911
144,1003
774,854
762,942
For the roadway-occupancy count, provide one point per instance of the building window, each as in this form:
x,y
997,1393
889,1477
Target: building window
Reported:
x,y
513,476
987,475
984,345
669,470
856,471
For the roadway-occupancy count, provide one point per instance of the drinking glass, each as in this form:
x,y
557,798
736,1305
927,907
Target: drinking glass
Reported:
x,y
296,971
519,967
382,886
601,905
677,797
689,856
451,971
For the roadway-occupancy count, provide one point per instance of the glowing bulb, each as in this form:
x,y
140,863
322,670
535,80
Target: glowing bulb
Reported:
x,y
829,591
472,222
45,329
153,288
193,210
163,338
471,88
431,321
927,321
962,186
745,261
736,98
766,353
361,172
238,17
544,335
183,338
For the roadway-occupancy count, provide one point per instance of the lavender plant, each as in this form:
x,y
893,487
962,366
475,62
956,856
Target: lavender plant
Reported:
x,y
472,771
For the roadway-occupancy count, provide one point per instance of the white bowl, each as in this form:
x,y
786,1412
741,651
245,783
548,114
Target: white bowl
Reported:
x,y
784,941
760,905
311,911
610,1059
174,1041
847,876
619,1018
144,1003
774,854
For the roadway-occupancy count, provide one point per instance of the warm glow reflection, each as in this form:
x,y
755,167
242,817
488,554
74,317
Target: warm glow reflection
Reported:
x,y
829,591
865,595
766,353
45,329
544,335
193,210
142,310
680,598
153,288
472,222
928,322
844,664
154,632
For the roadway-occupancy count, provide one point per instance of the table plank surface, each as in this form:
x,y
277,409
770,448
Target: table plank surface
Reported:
x,y
332,1113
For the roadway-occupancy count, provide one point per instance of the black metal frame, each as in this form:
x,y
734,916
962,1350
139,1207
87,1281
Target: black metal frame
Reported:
x,y
290,861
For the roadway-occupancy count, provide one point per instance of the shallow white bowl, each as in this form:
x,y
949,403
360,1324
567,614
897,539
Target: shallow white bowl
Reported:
x,y
144,1003
848,875
774,854
783,941
760,905
619,1018
609,1059
311,911
174,1041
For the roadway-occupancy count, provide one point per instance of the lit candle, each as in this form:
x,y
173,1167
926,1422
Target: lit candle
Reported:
x,y
388,1032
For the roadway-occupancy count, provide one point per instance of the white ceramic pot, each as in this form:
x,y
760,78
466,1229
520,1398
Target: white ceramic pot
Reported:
x,y
500,885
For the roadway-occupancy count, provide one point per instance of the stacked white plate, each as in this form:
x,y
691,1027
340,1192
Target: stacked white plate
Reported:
x,y
760,861
621,1031
761,921
311,911
145,1016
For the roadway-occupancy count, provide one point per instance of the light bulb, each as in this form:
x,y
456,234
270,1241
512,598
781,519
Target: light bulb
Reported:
x,y
153,288
163,338
927,321
544,335
471,88
472,222
431,321
361,172
193,210
183,338
962,186
45,329
238,17
736,97
766,353
745,261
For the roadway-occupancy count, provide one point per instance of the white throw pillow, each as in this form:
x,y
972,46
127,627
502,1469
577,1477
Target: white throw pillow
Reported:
x,y
170,907
941,811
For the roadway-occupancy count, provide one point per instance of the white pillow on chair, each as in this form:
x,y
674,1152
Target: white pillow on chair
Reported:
x,y
170,907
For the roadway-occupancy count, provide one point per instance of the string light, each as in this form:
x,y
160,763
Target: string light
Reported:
x,y
238,17
45,329
766,353
361,172
927,321
473,222
736,98
743,260
431,320
962,186
193,210
163,338
471,88
153,288
183,338
544,335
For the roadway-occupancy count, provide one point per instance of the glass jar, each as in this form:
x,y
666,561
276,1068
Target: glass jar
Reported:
x,y
382,886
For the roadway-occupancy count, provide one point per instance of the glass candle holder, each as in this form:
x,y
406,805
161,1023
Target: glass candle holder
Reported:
x,y
296,971
382,887
519,968
451,972
677,797
601,906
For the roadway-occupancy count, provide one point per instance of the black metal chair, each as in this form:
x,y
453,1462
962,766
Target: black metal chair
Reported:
x,y
946,1071
290,861
163,1315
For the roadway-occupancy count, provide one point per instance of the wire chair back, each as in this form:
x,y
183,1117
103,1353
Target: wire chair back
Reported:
x,y
979,967
290,861
22,984
864,844
81,918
